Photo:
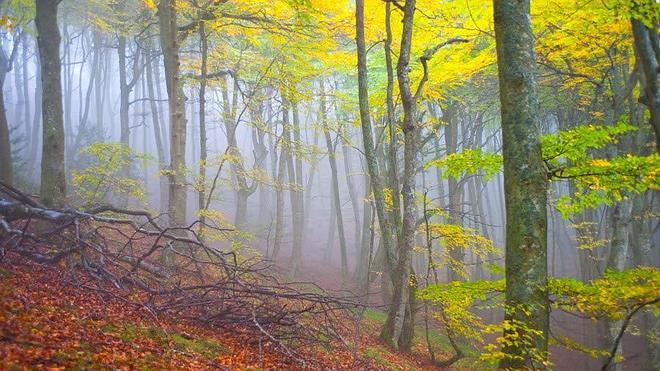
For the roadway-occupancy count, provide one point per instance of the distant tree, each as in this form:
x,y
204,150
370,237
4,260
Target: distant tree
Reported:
x,y
6,174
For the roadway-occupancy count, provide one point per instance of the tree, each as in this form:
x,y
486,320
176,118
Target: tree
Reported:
x,y
525,186
53,179
6,172
335,182
170,48
377,186
401,312
648,56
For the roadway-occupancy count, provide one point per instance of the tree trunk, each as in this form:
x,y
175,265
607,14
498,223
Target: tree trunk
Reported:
x,y
398,329
6,166
38,102
525,187
203,41
368,140
25,77
454,190
53,179
362,270
646,52
296,196
279,200
352,194
392,157
123,92
170,48
155,120
335,187
99,81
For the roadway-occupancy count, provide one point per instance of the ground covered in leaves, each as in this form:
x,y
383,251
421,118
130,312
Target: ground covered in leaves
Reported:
x,y
53,319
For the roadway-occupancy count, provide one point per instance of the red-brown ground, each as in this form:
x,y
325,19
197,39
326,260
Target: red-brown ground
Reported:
x,y
48,322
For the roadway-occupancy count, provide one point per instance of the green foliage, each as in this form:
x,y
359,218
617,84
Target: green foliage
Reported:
x,y
456,299
469,162
598,181
573,145
614,296
515,334
569,156
453,237
608,181
106,176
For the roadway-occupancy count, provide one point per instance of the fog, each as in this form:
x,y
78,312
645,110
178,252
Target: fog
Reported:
x,y
281,152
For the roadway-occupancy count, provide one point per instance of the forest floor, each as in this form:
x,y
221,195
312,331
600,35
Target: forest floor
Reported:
x,y
50,322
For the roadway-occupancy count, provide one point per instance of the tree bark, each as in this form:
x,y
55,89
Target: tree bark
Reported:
x,y
398,329
335,186
647,56
53,179
368,140
392,157
123,91
279,198
155,120
525,186
6,166
36,120
170,48
296,195
454,190
203,46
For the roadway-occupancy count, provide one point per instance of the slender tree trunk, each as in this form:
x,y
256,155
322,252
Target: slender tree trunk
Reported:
x,y
20,101
67,89
646,52
6,166
392,157
159,101
332,227
355,205
99,81
38,102
310,181
53,179
202,119
398,329
362,270
155,120
279,199
525,185
25,80
335,186
454,191
123,91
296,195
368,140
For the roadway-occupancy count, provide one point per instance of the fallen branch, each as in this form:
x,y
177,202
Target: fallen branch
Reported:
x,y
169,270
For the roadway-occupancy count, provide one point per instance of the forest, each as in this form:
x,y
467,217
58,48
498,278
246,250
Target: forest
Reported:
x,y
346,184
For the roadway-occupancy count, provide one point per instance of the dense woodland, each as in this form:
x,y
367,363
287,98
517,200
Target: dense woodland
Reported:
x,y
466,184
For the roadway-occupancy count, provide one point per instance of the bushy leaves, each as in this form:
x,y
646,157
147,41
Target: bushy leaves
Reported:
x,y
614,296
469,162
452,237
611,296
569,155
106,177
